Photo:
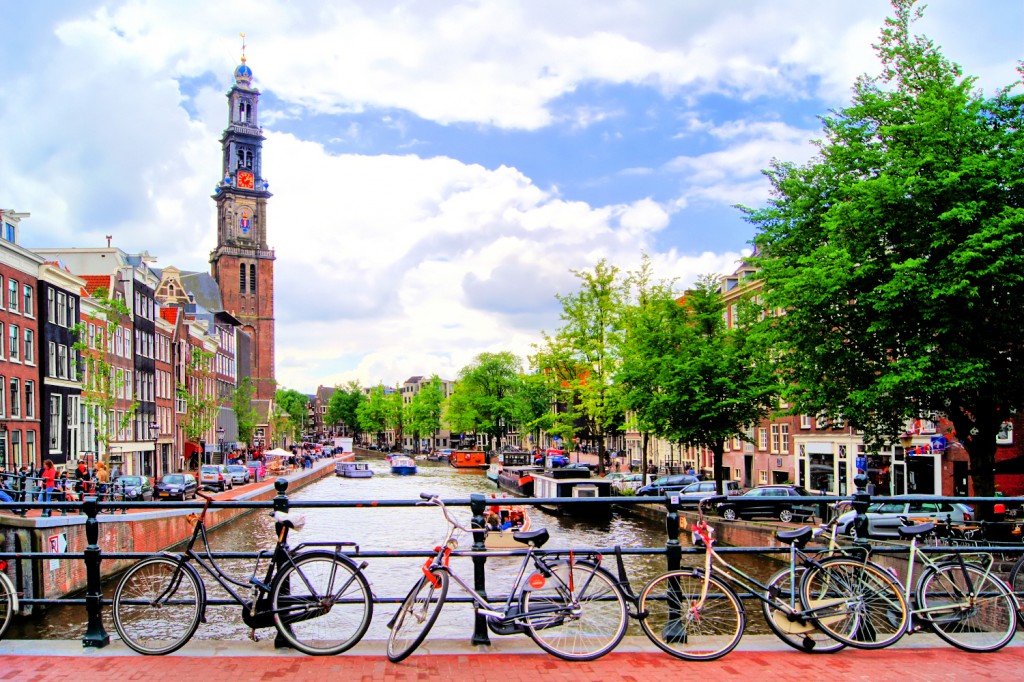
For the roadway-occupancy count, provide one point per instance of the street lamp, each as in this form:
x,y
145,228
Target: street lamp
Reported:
x,y
220,440
154,430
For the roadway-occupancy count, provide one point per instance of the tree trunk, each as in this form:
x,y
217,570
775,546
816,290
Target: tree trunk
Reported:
x,y
643,458
718,451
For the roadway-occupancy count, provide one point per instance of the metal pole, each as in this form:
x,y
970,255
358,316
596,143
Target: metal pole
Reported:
x,y
673,551
477,502
861,500
95,635
281,505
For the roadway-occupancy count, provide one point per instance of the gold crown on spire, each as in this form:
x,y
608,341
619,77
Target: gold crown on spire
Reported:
x,y
243,47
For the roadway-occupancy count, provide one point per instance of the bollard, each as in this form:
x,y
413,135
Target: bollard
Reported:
x,y
673,550
95,635
478,503
861,500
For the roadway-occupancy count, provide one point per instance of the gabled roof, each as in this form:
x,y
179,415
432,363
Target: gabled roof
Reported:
x,y
204,288
93,283
170,314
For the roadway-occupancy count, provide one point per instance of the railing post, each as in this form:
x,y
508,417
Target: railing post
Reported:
x,y
673,550
23,495
477,502
861,500
95,635
280,505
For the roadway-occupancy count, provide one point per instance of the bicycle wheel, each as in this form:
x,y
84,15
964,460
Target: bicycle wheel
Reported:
x,y
1016,582
983,618
855,603
680,625
322,604
802,636
416,615
578,614
157,605
6,603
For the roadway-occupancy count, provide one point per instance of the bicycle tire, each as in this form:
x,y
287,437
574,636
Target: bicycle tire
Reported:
x,y
416,615
585,634
987,624
154,628
6,603
677,628
1016,584
322,603
802,636
854,602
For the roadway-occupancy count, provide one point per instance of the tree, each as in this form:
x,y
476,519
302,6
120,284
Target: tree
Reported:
x,y
531,405
586,346
103,384
897,254
197,394
483,396
395,415
373,413
245,415
295,405
343,406
699,382
426,409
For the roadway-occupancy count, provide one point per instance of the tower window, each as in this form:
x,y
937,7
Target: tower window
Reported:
x,y
252,278
244,158
241,278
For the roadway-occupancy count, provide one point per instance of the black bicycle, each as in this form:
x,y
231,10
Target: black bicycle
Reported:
x,y
318,599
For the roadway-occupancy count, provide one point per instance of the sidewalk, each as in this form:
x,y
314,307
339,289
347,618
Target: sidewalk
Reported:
x,y
917,658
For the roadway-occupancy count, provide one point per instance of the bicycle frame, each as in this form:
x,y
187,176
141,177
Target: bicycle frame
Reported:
x,y
969,596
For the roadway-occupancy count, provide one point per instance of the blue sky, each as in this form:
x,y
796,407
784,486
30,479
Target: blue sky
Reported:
x,y
438,168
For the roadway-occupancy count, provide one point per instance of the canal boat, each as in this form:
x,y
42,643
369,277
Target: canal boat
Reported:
x,y
468,459
518,479
573,483
353,469
517,520
403,466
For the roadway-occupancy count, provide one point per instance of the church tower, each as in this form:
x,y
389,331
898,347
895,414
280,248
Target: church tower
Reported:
x,y
243,264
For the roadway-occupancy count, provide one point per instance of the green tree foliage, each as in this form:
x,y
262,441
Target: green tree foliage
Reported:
x,y
373,413
424,412
295,405
897,253
245,415
102,385
484,395
531,405
691,378
200,404
344,404
585,348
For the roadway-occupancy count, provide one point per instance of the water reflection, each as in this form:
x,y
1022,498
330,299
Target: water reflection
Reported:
x,y
384,529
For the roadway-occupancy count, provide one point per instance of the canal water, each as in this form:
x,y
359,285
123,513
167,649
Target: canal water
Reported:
x,y
395,529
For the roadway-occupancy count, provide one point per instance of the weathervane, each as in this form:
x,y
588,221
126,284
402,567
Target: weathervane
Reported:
x,y
243,47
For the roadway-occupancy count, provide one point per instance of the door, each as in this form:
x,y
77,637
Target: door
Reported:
x,y
961,487
748,471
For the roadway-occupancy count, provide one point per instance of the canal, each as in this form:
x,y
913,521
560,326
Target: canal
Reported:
x,y
383,529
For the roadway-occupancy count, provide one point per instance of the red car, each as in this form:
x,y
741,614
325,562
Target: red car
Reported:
x,y
257,470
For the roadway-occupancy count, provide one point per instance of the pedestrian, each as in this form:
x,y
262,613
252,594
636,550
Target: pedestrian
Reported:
x,y
102,480
82,478
49,476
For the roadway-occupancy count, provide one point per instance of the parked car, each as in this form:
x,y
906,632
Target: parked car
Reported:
x,y
626,482
239,473
769,500
667,484
257,470
695,492
177,486
582,466
884,517
133,488
215,477
558,458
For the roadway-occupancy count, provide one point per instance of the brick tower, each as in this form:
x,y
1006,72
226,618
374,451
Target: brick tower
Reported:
x,y
243,264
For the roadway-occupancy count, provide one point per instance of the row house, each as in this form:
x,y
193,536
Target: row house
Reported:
x,y
440,438
317,425
20,432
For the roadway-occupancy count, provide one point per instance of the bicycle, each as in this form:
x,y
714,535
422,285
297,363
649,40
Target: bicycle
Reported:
x,y
8,598
318,599
960,600
570,606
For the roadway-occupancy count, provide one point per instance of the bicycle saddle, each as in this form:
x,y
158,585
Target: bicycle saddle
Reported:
x,y
292,521
537,538
918,529
798,536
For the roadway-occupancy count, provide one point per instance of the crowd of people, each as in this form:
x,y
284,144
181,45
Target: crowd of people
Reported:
x,y
48,485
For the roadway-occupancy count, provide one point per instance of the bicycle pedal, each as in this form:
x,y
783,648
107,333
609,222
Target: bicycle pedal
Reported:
x,y
253,636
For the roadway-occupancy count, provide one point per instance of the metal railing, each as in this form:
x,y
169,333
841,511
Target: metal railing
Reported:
x,y
673,550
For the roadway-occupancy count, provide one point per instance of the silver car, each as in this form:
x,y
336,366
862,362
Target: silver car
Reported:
x,y
695,492
239,473
884,518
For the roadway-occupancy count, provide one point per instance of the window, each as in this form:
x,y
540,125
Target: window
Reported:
x,y
62,309
805,421
52,365
12,295
762,439
776,447
1,339
55,423
241,278
762,476
26,301
252,278
785,438
3,398
16,448
30,399
9,233
119,342
49,305
73,369
15,397
72,316
62,361
30,347
30,446
13,343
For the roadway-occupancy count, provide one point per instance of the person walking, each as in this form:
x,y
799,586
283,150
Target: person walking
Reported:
x,y
49,476
102,481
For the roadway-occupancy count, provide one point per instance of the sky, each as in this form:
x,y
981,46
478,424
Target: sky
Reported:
x,y
438,169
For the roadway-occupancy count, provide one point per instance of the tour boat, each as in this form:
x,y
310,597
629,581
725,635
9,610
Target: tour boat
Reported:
x,y
468,459
353,469
402,465
518,519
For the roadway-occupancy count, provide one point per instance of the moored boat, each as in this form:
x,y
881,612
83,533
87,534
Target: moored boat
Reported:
x,y
353,469
403,466
468,459
577,484
512,520
518,479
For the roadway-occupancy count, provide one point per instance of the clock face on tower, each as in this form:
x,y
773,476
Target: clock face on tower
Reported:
x,y
245,180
